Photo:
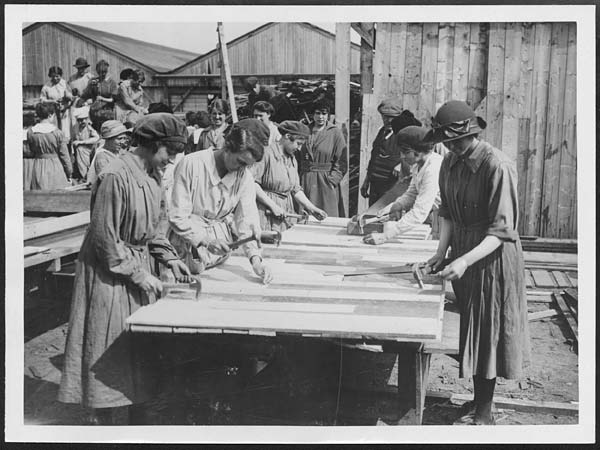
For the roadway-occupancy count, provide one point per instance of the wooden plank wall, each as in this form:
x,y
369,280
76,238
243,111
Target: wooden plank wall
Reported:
x,y
48,45
520,77
285,47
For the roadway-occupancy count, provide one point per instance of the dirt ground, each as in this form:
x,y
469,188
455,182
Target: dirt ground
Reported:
x,y
301,389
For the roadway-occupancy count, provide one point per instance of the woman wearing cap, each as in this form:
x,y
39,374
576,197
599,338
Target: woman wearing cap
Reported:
x,y
104,367
277,178
323,163
423,193
381,176
84,140
214,198
58,93
213,136
116,142
78,82
129,105
479,211
52,167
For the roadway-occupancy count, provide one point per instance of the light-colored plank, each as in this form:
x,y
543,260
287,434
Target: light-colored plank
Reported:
x,y
342,96
543,279
193,315
429,52
512,76
460,61
537,134
495,86
412,80
572,278
53,225
539,315
561,279
554,132
397,57
567,314
567,195
443,84
529,279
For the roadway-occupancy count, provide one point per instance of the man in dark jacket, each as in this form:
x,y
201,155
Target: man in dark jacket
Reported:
x,y
381,176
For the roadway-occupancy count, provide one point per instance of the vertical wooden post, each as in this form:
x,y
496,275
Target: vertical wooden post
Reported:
x,y
495,94
226,71
429,55
342,96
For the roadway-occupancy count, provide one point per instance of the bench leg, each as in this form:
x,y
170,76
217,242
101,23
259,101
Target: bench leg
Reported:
x,y
413,370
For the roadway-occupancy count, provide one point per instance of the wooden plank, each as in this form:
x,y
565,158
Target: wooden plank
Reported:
x,y
52,225
495,87
542,279
572,278
59,201
365,31
561,279
429,52
567,193
529,279
412,79
567,314
397,57
443,84
166,313
537,134
460,61
512,77
524,95
342,98
227,71
554,131
366,57
539,315
478,50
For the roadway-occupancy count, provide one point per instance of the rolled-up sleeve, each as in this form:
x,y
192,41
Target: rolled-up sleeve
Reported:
x,y
245,215
502,206
180,212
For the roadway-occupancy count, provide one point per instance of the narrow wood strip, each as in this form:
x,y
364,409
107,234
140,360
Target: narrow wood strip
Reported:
x,y
567,314
42,228
542,279
529,279
572,278
561,279
541,315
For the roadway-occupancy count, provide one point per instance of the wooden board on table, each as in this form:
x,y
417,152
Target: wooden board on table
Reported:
x,y
59,201
43,227
302,300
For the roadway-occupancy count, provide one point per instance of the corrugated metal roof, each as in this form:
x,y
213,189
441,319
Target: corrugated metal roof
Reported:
x,y
157,57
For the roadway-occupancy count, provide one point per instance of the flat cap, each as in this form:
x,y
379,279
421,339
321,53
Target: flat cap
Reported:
x,y
391,106
258,129
294,127
162,127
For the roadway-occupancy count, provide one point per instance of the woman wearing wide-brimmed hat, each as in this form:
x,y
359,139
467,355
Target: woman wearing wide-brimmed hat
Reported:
x,y
479,215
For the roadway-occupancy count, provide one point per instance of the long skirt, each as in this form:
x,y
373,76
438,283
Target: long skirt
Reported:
x,y
83,155
27,173
494,333
48,173
106,366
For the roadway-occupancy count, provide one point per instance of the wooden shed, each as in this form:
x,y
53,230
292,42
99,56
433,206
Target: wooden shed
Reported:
x,y
47,44
520,77
272,52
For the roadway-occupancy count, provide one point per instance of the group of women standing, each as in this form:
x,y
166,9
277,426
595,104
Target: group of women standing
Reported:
x,y
247,179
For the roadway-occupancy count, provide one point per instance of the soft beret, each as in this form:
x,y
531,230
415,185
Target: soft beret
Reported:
x,y
294,127
163,127
390,107
255,127
412,138
404,120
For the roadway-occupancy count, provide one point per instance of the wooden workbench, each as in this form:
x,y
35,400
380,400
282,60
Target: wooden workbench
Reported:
x,y
389,310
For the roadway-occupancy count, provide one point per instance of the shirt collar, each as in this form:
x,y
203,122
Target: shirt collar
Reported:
x,y
213,173
473,157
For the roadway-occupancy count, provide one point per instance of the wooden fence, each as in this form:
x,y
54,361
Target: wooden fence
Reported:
x,y
520,77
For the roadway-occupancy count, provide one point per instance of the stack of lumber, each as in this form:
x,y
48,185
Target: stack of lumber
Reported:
x,y
297,96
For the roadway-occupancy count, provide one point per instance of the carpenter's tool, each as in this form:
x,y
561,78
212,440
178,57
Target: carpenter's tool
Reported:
x,y
418,274
406,268
358,223
300,218
268,237
182,291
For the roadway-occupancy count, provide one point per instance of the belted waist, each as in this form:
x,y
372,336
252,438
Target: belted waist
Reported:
x,y
481,226
315,167
46,156
136,247
282,195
